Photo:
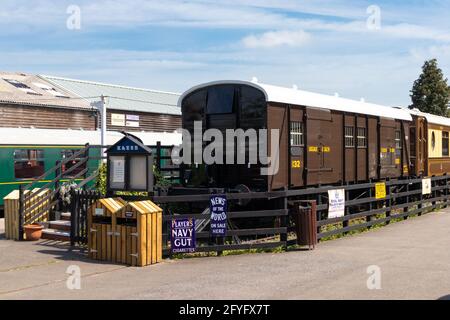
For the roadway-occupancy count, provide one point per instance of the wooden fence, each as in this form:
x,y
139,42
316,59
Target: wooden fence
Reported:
x,y
269,219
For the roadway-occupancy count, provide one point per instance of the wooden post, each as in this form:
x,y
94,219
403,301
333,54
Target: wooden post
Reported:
x,y
388,202
406,209
284,220
21,212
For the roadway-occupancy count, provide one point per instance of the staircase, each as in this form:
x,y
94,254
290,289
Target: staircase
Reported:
x,y
58,230
42,204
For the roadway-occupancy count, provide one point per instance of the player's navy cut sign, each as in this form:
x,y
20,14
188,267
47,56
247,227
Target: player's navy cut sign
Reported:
x,y
218,210
183,236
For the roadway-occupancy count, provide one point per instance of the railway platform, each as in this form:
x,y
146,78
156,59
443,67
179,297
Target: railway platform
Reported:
x,y
412,257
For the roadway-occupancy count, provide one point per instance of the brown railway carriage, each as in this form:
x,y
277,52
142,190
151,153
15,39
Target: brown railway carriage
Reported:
x,y
429,145
323,139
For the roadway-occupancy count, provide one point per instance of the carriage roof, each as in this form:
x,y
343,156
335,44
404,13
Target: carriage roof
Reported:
x,y
25,136
314,100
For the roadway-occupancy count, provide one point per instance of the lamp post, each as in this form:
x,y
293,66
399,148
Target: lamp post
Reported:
x,y
102,107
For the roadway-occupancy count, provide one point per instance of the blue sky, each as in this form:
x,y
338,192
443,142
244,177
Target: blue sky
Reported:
x,y
318,45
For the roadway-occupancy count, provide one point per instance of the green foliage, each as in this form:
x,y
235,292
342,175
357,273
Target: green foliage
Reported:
x,y
100,183
430,93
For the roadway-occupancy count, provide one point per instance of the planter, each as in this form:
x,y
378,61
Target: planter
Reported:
x,y
33,231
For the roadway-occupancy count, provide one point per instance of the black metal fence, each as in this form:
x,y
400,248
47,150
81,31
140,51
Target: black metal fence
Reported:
x,y
80,201
251,228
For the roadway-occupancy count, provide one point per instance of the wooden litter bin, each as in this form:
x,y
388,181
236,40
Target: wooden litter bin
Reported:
x,y
101,226
139,227
125,233
11,209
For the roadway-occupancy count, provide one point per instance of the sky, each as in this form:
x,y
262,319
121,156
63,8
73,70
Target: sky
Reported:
x,y
358,49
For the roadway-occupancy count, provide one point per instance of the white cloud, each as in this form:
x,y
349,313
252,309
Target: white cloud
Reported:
x,y
277,38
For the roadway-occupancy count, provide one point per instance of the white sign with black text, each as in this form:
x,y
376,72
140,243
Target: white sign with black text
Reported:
x,y
426,186
336,203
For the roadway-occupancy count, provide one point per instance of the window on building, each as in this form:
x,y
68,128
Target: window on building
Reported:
x,y
65,154
22,87
445,150
362,137
297,134
28,163
349,137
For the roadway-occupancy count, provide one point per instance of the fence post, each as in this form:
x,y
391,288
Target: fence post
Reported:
x,y
388,202
158,155
369,217
347,210
406,208
73,212
58,171
284,220
21,212
446,192
419,206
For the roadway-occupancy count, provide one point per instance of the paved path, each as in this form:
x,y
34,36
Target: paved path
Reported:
x,y
414,258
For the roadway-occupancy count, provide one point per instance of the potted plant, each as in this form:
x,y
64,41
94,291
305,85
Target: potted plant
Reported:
x,y
33,231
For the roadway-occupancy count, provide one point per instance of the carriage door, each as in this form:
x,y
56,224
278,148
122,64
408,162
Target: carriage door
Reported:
x,y
421,146
297,147
318,167
388,168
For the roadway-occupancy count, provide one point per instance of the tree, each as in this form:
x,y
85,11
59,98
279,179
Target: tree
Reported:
x,y
430,93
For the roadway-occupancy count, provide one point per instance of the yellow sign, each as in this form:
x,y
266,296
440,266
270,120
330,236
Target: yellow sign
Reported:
x,y
405,169
384,150
313,149
392,150
326,149
296,164
397,161
380,190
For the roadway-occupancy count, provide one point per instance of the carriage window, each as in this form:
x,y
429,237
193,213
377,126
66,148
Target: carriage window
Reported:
x,y
433,140
193,107
349,137
220,100
362,138
398,139
65,154
445,151
412,142
253,107
28,163
297,134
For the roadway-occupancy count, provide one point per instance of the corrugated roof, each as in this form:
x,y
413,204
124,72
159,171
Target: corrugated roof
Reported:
x,y
121,97
26,89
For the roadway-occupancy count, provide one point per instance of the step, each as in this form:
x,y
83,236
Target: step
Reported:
x,y
52,234
65,216
62,225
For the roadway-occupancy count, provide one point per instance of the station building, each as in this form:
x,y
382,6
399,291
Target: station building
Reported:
x,y
128,108
47,102
28,101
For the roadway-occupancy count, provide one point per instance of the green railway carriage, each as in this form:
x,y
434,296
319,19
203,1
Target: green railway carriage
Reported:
x,y
26,154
